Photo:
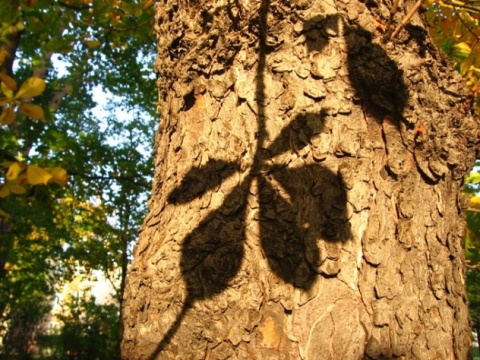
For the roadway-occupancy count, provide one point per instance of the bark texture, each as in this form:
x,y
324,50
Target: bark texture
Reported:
x,y
306,202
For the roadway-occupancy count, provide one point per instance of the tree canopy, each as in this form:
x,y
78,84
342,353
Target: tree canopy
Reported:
x,y
77,97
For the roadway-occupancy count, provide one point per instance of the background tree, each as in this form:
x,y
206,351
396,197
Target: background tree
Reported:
x,y
307,199
48,233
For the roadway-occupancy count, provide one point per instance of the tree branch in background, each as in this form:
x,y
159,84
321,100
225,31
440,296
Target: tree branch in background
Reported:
x,y
131,180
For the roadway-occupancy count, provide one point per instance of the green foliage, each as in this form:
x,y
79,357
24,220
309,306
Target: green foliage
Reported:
x,y
89,332
454,26
472,239
472,246
47,232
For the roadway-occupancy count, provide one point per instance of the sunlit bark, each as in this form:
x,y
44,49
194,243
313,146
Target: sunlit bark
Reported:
x,y
306,201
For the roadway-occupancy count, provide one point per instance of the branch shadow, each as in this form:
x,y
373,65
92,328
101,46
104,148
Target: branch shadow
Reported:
x,y
299,207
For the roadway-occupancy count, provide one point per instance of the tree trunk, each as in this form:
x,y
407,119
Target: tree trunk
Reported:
x,y
306,202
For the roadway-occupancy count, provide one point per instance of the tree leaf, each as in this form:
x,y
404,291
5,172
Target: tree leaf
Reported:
x,y
473,178
36,175
16,189
462,50
33,86
33,111
59,175
7,92
475,201
8,81
13,171
4,191
7,116
92,44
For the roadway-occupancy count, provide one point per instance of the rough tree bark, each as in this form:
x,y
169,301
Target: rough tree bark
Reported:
x,y
306,202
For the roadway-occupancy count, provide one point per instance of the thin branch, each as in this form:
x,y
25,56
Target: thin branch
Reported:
x,y
472,267
406,19
131,180
393,11
458,5
466,26
74,7
58,97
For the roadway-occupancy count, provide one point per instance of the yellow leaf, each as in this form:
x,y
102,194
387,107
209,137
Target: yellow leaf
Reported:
x,y
466,64
13,171
4,191
32,110
31,87
475,201
7,116
59,175
16,189
6,91
3,56
3,214
8,81
462,49
36,175
148,3
92,44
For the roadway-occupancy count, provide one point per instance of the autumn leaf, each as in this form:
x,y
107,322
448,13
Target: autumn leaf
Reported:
x,y
36,175
8,81
33,110
16,189
92,44
475,201
7,116
462,50
4,191
3,55
59,175
13,171
33,86
11,188
7,92
148,3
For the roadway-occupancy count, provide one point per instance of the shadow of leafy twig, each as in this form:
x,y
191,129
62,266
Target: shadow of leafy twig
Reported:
x,y
201,179
299,207
376,78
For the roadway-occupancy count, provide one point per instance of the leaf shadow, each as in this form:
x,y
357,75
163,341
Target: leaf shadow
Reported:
x,y
376,78
299,208
201,179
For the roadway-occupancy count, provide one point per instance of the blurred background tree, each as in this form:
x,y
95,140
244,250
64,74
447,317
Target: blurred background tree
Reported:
x,y
89,111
